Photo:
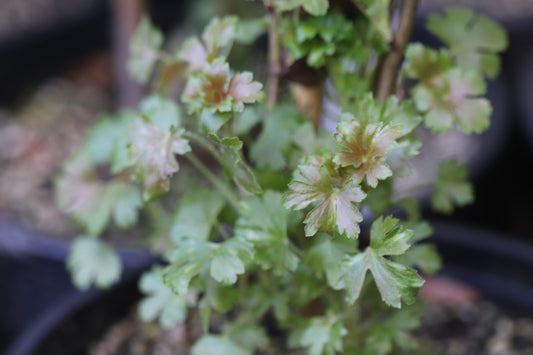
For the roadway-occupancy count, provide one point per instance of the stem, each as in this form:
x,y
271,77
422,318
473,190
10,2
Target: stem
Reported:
x,y
204,143
390,67
232,199
126,15
274,59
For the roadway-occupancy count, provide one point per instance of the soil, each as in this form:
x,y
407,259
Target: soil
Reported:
x,y
38,136
478,328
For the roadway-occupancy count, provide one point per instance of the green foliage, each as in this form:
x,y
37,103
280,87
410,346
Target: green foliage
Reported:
x,y
144,47
318,38
395,282
447,94
196,215
322,335
452,188
213,344
474,40
160,302
259,215
93,262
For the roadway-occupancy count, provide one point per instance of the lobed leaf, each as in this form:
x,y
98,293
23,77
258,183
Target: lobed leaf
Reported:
x,y
159,301
335,210
395,282
452,187
474,40
152,154
196,215
144,50
93,262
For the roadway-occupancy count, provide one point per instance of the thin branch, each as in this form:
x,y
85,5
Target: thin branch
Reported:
x,y
274,58
126,15
221,186
390,67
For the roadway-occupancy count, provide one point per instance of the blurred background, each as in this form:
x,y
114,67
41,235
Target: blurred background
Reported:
x,y
62,66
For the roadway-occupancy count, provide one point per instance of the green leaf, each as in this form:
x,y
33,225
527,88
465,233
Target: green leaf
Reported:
x,y
186,262
425,256
324,256
220,297
93,262
263,223
234,165
120,153
452,187
249,30
385,336
474,40
127,201
229,260
196,215
144,47
272,148
423,63
395,282
315,7
247,336
377,12
244,121
316,182
214,344
389,238
101,139
162,112
159,301
220,33
323,335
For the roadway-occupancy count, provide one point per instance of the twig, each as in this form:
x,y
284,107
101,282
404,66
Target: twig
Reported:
x,y
274,58
390,67
126,15
221,186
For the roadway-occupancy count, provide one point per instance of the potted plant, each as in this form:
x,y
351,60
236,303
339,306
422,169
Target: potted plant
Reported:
x,y
276,235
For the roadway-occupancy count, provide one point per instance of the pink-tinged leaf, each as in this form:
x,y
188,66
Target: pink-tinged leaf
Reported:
x,y
366,148
243,89
337,212
194,53
214,89
78,187
153,154
317,181
472,113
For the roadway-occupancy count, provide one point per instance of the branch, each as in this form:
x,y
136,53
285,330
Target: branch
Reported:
x,y
274,58
388,73
126,15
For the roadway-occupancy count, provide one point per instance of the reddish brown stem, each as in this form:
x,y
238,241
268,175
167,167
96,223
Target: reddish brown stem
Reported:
x,y
274,60
390,66
126,15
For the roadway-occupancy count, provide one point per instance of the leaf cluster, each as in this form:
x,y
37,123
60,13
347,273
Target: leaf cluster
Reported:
x,y
255,213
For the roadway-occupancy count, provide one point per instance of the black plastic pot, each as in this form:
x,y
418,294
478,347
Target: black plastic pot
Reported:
x,y
497,265
500,266
36,287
